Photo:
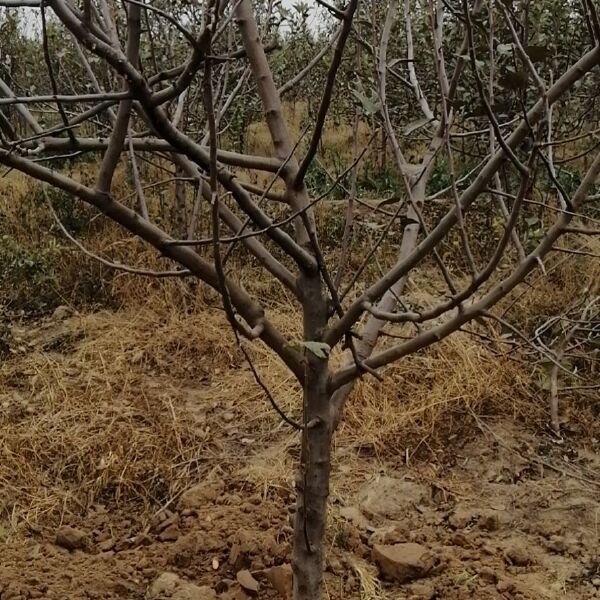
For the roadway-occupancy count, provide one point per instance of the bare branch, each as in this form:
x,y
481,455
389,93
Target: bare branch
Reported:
x,y
136,179
121,126
248,309
21,109
294,81
179,141
20,3
234,159
273,266
326,99
486,105
108,263
563,84
479,307
410,63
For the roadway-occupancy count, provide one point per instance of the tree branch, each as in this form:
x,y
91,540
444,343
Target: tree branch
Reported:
x,y
326,99
245,305
560,87
479,307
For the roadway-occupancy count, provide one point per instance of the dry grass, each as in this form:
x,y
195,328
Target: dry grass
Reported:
x,y
131,406
428,397
566,277
134,405
336,141
370,586
110,419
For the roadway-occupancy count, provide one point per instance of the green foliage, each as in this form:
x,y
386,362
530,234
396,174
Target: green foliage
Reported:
x,y
37,280
534,232
74,215
569,180
26,276
39,269
333,169
68,163
378,182
370,104
440,176
318,181
332,225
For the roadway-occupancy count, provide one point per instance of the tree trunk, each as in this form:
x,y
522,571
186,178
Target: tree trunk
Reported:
x,y
312,488
383,166
180,220
312,485
389,300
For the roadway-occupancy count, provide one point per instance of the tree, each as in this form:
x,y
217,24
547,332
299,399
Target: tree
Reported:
x,y
160,73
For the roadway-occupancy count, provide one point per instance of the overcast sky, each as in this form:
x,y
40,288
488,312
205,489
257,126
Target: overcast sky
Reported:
x,y
32,17
315,12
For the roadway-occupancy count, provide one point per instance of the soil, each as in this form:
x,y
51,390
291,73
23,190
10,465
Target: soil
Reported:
x,y
504,513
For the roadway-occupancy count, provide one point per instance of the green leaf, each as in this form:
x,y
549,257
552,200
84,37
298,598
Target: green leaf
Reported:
x,y
370,105
319,349
505,48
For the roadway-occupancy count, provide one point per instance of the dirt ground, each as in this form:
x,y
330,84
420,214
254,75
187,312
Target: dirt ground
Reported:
x,y
503,510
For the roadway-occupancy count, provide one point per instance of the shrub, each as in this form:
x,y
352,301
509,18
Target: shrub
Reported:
x,y
379,182
26,276
75,216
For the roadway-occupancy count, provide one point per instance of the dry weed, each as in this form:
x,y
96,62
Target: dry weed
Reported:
x,y
133,406
370,587
139,403
428,397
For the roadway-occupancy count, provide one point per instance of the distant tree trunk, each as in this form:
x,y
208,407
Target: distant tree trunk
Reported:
x,y
374,41
389,300
383,165
181,220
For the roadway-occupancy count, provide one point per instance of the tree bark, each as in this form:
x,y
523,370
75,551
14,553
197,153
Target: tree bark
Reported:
x,y
181,218
312,485
388,302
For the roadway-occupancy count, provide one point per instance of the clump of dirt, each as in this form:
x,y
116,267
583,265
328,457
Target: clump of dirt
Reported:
x,y
499,526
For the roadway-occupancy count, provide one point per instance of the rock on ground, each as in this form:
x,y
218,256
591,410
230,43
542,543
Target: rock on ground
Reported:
x,y
171,587
183,552
422,591
71,538
353,515
247,581
394,533
403,562
201,494
390,498
519,555
281,578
